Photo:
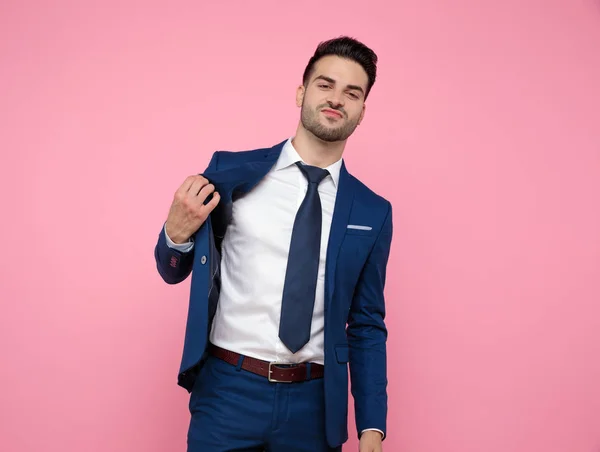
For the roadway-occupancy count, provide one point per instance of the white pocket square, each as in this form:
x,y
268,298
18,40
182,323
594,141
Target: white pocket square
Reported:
x,y
362,228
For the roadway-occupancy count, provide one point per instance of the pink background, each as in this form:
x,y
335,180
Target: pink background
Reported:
x,y
483,130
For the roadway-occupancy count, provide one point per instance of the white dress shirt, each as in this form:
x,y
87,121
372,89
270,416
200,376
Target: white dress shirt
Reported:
x,y
254,260
254,255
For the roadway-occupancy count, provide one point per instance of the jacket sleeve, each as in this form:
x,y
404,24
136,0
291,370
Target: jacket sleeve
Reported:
x,y
367,336
175,266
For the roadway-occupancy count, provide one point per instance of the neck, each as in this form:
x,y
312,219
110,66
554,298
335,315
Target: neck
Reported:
x,y
315,151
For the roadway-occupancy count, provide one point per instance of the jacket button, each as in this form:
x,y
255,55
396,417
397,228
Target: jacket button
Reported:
x,y
203,260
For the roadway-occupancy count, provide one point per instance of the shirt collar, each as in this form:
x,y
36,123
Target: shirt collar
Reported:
x,y
289,156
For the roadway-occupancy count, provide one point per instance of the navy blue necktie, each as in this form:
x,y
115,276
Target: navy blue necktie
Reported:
x,y
303,264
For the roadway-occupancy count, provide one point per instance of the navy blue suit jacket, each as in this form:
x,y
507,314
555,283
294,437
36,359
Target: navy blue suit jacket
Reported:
x,y
355,332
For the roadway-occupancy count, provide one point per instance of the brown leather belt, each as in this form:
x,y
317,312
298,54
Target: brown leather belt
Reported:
x,y
274,372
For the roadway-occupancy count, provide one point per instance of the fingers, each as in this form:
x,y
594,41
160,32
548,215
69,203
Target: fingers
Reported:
x,y
204,192
193,193
187,183
197,185
191,185
213,202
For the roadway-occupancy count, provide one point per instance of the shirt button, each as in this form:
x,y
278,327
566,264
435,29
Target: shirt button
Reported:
x,y
203,260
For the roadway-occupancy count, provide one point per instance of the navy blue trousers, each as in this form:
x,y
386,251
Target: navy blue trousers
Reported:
x,y
235,410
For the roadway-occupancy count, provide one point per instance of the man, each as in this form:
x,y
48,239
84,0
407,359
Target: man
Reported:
x,y
289,255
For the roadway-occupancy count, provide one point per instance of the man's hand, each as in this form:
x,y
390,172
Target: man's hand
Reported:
x,y
370,441
188,211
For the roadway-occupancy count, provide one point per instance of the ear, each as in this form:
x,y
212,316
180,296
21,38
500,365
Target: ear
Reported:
x,y
300,95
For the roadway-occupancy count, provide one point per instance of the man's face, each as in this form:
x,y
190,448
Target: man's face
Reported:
x,y
333,101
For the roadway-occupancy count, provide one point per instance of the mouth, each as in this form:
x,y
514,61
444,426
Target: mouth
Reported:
x,y
332,113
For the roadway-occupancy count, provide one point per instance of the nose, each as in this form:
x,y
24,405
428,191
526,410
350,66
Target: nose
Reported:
x,y
335,99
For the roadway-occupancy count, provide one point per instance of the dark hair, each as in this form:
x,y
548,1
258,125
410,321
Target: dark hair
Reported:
x,y
349,48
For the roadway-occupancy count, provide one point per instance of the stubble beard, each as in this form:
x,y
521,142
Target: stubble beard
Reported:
x,y
310,121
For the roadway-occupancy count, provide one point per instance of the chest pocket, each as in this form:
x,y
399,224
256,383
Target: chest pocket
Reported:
x,y
354,252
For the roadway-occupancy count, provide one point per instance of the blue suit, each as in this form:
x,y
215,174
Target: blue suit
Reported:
x,y
355,332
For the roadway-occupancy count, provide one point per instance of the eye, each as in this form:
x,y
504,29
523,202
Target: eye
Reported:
x,y
353,95
323,86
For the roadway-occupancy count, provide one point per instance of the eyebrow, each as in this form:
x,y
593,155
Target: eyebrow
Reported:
x,y
332,81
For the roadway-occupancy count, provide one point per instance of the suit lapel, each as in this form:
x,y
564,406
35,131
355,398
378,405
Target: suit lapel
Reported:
x,y
243,177
237,180
339,222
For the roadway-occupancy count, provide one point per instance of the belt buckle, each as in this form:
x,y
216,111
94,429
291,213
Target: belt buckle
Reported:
x,y
270,378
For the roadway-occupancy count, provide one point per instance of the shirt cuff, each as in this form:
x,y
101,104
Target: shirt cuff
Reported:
x,y
376,430
181,247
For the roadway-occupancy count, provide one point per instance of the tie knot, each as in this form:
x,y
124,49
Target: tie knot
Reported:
x,y
314,174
